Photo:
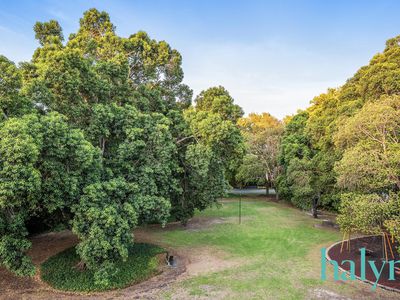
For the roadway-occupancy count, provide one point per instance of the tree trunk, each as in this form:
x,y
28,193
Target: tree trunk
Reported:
x,y
102,142
266,184
315,206
314,213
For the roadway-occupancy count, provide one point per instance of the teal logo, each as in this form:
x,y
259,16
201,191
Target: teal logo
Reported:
x,y
351,265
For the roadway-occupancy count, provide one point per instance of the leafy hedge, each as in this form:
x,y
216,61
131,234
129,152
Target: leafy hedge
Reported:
x,y
60,271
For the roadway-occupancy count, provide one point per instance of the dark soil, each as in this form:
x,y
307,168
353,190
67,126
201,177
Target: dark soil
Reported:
x,y
375,252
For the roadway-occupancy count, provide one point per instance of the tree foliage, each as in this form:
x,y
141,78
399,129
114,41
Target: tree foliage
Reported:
x,y
217,100
250,172
263,135
370,139
44,165
46,32
216,153
106,213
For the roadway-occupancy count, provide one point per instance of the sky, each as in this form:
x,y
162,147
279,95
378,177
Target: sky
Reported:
x,y
272,56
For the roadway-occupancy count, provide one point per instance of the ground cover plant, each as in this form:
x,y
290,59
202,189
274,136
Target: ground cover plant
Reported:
x,y
61,272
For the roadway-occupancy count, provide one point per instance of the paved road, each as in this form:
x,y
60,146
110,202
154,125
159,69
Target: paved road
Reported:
x,y
251,191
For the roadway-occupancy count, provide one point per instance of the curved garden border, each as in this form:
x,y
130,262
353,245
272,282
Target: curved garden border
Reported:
x,y
328,258
166,276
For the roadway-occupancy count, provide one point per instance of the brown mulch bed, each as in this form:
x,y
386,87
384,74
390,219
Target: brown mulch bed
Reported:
x,y
375,252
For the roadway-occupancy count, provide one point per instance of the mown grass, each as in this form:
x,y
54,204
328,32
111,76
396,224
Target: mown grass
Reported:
x,y
60,271
274,244
267,230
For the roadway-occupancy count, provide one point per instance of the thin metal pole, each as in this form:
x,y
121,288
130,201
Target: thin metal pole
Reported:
x,y
383,250
240,207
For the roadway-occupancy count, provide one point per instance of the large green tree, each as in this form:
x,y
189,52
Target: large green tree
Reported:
x,y
212,147
94,135
262,133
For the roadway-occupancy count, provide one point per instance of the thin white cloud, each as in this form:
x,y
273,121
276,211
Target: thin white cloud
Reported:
x,y
60,16
6,29
274,76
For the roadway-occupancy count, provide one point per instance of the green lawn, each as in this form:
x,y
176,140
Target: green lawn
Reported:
x,y
279,247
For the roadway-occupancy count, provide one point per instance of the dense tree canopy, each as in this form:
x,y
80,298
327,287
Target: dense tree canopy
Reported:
x,y
371,143
344,149
97,133
44,165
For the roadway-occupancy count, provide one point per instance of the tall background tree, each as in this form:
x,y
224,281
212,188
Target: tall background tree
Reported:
x,y
262,133
348,141
216,152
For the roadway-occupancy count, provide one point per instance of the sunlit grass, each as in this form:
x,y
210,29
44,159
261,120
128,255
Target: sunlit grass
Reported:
x,y
267,230
273,241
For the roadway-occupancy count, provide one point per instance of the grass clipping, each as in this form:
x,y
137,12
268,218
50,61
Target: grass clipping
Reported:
x,y
61,273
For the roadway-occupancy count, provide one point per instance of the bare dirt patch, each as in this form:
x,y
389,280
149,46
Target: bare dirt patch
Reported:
x,y
43,246
207,260
320,293
196,223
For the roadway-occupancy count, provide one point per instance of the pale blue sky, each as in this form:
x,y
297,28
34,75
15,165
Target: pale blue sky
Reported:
x,y
272,56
